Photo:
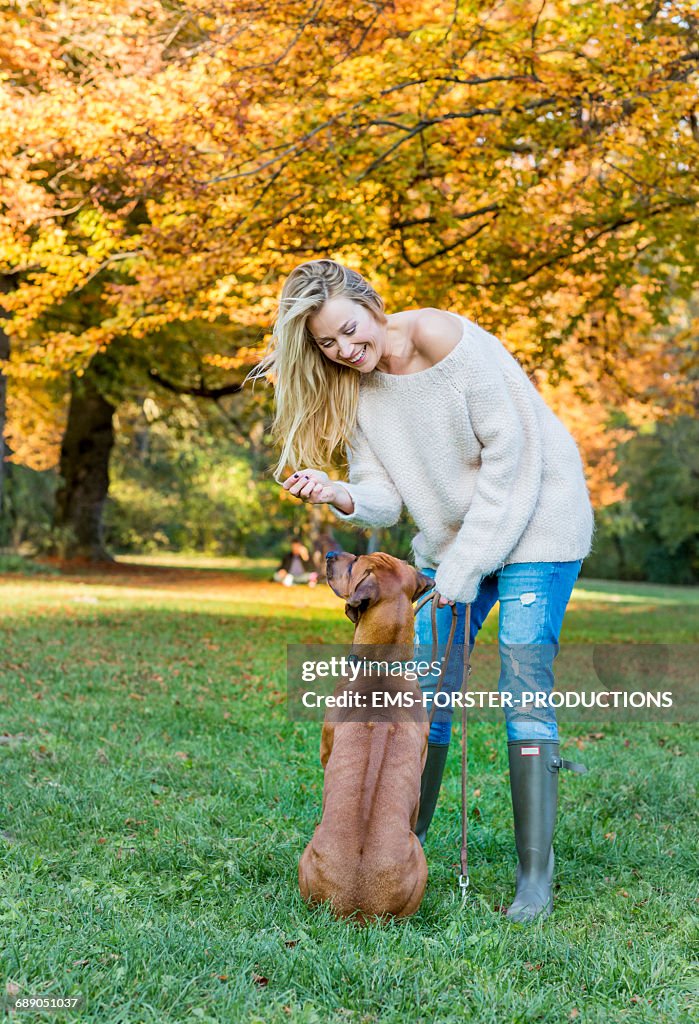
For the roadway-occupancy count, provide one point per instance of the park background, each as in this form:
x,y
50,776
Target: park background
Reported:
x,y
163,167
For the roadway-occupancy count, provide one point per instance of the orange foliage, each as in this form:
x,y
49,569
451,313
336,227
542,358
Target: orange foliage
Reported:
x,y
533,166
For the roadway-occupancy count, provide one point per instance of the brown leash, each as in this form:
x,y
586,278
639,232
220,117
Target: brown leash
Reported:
x,y
463,877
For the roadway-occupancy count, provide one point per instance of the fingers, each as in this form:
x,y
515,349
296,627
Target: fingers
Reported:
x,y
305,485
296,482
443,601
292,481
296,479
312,491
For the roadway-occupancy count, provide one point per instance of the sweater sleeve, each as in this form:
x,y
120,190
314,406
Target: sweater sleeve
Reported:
x,y
501,405
376,500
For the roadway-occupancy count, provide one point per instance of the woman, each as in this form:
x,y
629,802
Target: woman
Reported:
x,y
437,415
296,566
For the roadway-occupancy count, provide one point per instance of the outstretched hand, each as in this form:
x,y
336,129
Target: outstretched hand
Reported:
x,y
311,485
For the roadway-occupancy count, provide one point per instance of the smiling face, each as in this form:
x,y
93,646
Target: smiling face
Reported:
x,y
348,334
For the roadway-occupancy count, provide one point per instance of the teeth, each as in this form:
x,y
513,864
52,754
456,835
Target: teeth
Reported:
x,y
359,358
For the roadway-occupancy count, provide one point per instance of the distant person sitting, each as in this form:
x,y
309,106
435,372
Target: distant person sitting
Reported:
x,y
296,567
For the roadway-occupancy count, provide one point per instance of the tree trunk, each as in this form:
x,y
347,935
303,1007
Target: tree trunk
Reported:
x,y
84,468
7,284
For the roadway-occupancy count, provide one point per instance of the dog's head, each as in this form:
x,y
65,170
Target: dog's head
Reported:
x,y
365,580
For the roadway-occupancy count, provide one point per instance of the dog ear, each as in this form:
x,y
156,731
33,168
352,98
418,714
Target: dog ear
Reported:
x,y
359,600
424,583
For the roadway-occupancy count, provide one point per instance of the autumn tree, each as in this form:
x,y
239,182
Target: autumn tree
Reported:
x,y
530,164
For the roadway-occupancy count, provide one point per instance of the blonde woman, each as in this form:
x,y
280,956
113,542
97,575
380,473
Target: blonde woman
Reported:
x,y
436,415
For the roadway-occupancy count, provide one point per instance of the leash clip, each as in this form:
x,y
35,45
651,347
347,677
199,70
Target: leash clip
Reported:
x,y
464,884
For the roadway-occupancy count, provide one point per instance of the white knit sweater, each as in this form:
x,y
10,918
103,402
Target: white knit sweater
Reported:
x,y
487,471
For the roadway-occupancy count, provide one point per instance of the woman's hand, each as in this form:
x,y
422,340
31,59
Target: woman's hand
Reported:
x,y
442,601
316,487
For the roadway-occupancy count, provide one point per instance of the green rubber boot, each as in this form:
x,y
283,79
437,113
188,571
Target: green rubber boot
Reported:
x,y
429,787
534,768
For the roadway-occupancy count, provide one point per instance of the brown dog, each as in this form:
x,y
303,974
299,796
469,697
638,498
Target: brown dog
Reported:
x,y
364,858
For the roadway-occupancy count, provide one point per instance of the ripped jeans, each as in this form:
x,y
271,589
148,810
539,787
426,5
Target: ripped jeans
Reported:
x,y
533,598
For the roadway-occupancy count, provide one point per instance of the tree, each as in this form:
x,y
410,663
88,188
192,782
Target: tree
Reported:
x,y
492,155
6,284
529,164
84,466
652,532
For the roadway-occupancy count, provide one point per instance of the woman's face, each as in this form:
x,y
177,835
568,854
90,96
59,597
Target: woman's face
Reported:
x,y
348,334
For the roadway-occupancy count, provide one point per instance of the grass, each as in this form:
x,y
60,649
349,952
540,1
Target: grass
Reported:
x,y
155,799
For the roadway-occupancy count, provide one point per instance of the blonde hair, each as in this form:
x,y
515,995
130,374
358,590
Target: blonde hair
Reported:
x,y
315,398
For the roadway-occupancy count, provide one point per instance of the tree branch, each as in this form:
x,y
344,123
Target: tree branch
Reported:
x,y
576,250
196,390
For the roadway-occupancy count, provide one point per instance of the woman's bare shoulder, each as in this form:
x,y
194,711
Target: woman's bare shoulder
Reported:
x,y
435,332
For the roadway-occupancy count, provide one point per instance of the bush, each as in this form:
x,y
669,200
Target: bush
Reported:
x,y
654,533
14,563
180,487
28,507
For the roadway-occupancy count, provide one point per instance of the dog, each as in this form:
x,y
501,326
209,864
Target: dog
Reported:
x,y
364,859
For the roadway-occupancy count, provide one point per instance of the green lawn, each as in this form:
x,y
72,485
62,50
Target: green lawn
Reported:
x,y
155,799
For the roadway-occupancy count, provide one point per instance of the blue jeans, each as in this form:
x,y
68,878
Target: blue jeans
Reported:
x,y
533,598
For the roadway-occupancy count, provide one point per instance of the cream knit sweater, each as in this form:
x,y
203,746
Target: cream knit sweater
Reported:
x,y
487,471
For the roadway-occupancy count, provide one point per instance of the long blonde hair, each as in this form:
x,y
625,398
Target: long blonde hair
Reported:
x,y
315,399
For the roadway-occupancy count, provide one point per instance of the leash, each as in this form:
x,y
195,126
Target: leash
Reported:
x,y
432,596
